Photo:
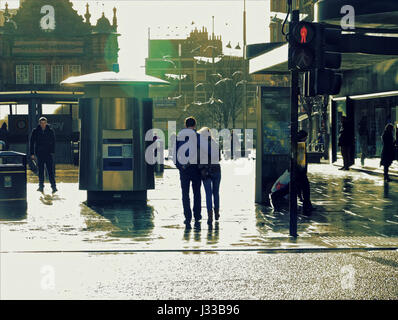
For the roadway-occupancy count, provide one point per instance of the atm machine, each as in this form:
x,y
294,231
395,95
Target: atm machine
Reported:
x,y
115,113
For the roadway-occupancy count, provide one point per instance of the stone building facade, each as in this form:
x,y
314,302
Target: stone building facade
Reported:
x,y
43,42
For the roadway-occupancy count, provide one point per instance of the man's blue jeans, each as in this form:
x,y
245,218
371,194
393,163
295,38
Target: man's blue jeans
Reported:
x,y
212,189
188,175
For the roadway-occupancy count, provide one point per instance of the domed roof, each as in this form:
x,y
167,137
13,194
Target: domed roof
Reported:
x,y
103,25
113,78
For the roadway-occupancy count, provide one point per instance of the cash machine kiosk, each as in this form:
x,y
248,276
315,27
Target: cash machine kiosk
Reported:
x,y
115,113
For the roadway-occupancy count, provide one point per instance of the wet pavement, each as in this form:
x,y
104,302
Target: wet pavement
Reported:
x,y
198,276
354,210
371,166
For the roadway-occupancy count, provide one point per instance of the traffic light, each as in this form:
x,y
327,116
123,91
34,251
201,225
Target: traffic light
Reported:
x,y
314,49
328,53
303,42
327,78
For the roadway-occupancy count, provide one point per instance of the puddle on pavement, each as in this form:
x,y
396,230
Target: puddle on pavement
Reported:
x,y
130,220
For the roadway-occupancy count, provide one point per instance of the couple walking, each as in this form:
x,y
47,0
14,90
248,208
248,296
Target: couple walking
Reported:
x,y
202,167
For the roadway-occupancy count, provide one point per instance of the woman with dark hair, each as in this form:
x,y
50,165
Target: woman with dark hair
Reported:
x,y
346,142
387,154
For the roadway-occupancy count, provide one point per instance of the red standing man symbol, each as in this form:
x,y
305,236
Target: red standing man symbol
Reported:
x,y
303,33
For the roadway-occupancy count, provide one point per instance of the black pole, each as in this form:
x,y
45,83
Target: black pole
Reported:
x,y
294,92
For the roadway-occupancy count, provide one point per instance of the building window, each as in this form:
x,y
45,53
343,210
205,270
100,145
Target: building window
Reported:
x,y
22,74
57,74
74,70
251,94
200,75
39,74
201,96
188,97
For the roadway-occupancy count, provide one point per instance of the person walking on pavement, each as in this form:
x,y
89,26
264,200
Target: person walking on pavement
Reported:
x,y
363,138
189,172
346,143
42,147
320,143
210,171
303,185
387,154
4,135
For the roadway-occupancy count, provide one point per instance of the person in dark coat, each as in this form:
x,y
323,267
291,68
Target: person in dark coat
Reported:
x,y
303,185
42,147
346,142
4,135
387,154
189,172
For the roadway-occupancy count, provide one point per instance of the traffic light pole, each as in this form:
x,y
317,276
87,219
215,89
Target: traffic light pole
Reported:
x,y
294,92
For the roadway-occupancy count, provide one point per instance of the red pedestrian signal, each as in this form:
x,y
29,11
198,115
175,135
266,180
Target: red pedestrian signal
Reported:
x,y
302,43
314,50
303,32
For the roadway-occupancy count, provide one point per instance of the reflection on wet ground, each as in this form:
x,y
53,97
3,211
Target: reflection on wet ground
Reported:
x,y
135,221
353,208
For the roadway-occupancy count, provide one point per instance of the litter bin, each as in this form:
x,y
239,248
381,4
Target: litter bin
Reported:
x,y
12,179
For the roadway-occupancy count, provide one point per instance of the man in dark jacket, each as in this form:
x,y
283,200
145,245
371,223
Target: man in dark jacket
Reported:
x,y
189,171
42,147
303,185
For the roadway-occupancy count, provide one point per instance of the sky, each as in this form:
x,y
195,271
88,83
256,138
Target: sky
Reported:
x,y
164,17
167,19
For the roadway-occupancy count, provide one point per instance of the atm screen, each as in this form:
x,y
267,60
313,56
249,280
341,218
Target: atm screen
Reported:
x,y
115,151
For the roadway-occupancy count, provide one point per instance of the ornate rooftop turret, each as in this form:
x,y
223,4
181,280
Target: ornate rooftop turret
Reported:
x,y
114,24
103,25
87,15
6,13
